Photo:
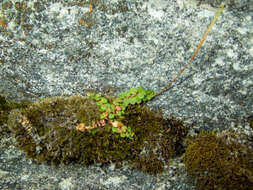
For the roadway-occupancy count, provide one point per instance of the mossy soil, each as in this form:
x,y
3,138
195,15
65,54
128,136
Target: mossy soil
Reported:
x,y
46,130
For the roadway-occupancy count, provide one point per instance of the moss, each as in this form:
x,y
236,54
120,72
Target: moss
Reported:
x,y
149,163
46,131
5,108
250,120
220,161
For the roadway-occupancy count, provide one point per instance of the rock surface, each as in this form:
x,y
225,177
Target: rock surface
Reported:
x,y
62,47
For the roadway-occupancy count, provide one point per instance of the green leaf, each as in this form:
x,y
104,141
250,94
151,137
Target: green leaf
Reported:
x,y
117,101
150,97
102,108
108,107
124,128
122,95
123,107
133,90
114,129
119,113
151,92
113,107
99,103
141,95
138,100
126,102
132,101
141,89
111,116
104,100
127,94
97,97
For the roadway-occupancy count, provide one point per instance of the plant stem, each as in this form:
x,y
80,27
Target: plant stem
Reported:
x,y
194,54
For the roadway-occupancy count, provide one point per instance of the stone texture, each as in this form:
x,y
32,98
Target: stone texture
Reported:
x,y
50,48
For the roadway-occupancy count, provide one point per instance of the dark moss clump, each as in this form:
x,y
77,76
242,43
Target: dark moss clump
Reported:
x,y
161,142
250,120
47,131
223,161
149,163
5,108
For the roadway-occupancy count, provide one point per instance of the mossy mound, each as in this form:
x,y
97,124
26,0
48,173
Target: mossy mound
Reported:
x,y
47,131
223,161
5,108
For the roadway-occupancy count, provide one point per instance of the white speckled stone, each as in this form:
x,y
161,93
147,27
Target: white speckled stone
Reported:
x,y
45,51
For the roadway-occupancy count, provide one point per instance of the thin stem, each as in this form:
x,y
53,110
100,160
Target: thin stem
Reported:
x,y
194,54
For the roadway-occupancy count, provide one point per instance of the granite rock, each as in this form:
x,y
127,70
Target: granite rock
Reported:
x,y
50,48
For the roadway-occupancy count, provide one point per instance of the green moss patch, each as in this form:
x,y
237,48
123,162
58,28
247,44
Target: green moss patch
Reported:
x,y
48,130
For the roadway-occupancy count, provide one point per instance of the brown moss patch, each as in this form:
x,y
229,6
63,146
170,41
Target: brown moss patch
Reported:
x,y
46,131
5,108
221,161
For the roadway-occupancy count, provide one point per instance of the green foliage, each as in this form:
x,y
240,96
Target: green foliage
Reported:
x,y
124,131
136,96
114,110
